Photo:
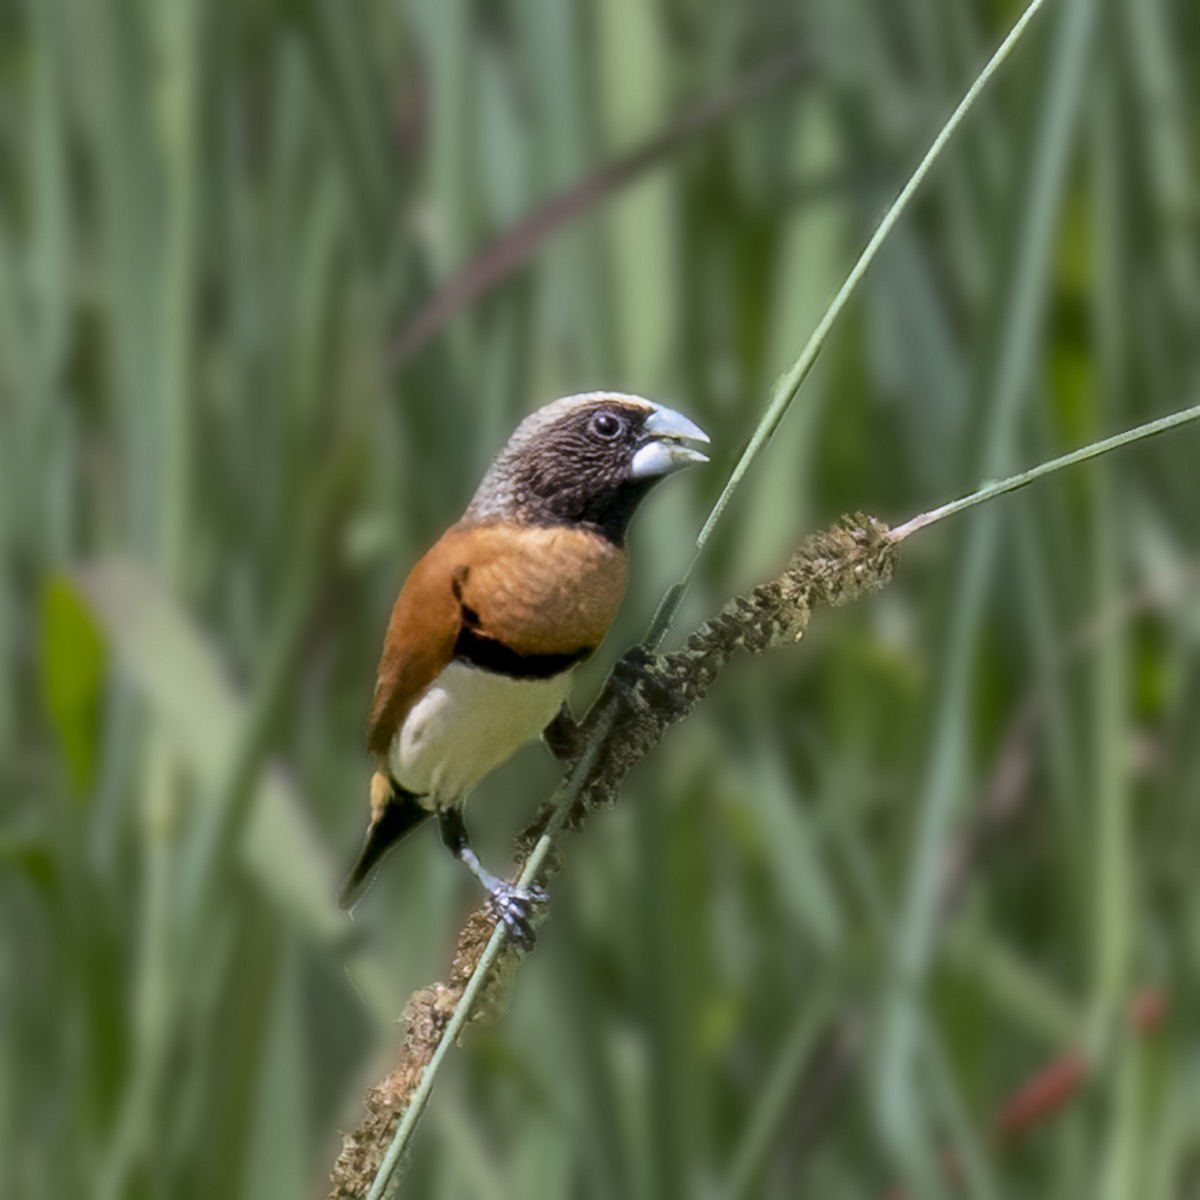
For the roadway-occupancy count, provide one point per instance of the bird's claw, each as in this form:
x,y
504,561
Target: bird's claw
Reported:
x,y
515,906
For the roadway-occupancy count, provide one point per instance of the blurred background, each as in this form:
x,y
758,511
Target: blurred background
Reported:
x,y
878,882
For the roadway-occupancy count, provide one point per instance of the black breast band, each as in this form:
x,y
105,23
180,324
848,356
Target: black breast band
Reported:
x,y
490,655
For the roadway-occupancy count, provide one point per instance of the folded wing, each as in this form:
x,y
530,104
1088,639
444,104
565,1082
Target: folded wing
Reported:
x,y
526,601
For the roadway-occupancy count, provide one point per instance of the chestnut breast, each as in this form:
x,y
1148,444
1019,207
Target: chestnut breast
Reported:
x,y
531,593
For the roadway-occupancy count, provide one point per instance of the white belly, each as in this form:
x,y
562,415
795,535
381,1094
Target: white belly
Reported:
x,y
465,724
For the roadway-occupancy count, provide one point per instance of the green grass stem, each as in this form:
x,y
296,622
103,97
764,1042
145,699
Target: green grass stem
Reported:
x,y
1002,487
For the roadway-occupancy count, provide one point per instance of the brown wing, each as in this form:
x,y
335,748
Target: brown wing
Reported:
x,y
419,643
534,591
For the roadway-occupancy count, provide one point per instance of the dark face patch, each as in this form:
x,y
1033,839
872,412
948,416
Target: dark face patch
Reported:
x,y
577,471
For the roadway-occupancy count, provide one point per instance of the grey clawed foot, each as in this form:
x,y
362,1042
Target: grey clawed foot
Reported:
x,y
516,907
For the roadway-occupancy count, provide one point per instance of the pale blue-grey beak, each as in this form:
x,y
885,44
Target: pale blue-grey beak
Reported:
x,y
667,451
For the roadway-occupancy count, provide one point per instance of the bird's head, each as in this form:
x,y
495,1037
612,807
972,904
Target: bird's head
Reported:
x,y
586,460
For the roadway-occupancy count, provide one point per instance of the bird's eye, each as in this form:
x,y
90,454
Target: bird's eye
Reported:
x,y
607,425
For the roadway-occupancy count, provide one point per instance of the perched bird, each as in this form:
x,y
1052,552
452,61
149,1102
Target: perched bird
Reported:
x,y
492,622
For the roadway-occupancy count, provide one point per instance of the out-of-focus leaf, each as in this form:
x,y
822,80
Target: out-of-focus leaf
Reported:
x,y
276,1164
73,662
791,852
191,694
34,858
1007,385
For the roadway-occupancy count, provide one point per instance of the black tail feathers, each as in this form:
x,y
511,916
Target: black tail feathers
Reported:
x,y
399,816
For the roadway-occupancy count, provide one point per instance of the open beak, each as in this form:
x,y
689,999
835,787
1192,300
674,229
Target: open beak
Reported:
x,y
665,449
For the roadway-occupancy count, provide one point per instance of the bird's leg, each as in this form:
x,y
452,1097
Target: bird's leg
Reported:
x,y
511,904
562,736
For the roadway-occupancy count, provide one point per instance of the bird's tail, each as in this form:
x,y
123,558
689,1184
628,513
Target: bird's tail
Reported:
x,y
394,814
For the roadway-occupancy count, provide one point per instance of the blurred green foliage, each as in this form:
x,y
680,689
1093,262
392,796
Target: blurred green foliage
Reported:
x,y
215,216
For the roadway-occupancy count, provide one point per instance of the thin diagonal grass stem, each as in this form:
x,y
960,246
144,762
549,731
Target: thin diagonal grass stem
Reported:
x,y
787,386
1000,487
